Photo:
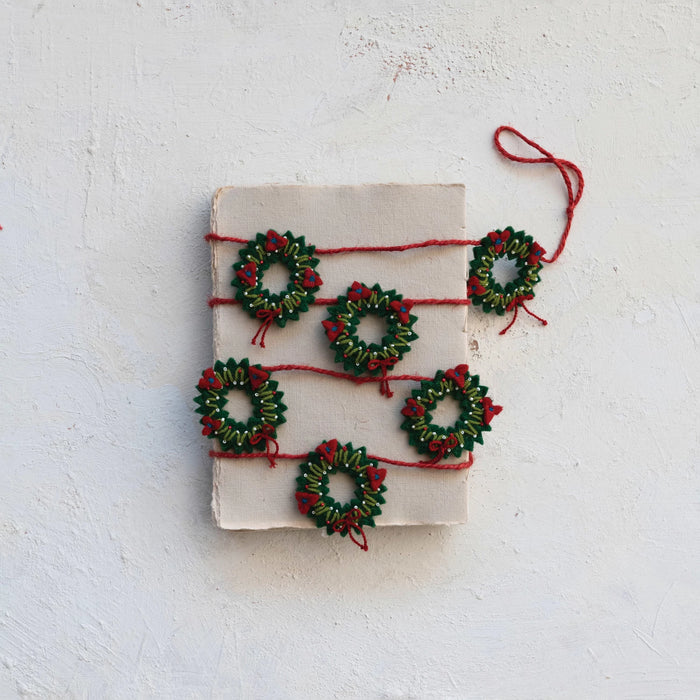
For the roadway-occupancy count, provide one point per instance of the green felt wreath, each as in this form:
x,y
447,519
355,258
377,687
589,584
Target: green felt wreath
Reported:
x,y
234,435
476,413
483,289
256,257
344,318
312,494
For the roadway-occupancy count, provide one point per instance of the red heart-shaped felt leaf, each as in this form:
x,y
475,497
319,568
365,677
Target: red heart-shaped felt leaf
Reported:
x,y
402,308
536,253
311,279
358,291
327,450
475,287
333,329
412,409
499,239
305,501
274,241
209,380
458,375
248,274
490,410
376,477
257,376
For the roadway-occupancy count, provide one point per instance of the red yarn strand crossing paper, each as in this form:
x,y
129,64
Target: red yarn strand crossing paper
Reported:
x,y
359,249
385,460
219,301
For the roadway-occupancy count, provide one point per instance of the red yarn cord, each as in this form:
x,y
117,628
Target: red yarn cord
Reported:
x,y
539,318
344,375
561,165
222,301
396,462
517,303
359,249
512,321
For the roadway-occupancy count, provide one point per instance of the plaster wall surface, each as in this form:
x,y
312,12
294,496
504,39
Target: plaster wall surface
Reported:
x,y
577,575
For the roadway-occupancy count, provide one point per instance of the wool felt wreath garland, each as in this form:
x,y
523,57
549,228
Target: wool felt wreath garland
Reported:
x,y
374,358
476,412
313,498
476,408
304,281
259,430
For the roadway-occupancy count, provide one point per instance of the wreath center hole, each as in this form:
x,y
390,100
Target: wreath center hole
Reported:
x,y
341,487
503,271
446,412
238,405
276,278
371,329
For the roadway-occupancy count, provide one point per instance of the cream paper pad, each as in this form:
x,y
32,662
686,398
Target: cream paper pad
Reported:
x,y
247,494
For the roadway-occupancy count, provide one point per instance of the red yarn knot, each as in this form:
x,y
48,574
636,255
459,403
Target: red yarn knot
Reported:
x,y
348,523
442,447
516,304
267,316
266,434
383,365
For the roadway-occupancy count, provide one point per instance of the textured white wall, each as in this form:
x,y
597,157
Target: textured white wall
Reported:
x,y
577,576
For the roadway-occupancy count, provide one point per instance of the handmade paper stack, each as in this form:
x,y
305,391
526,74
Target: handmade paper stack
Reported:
x,y
248,494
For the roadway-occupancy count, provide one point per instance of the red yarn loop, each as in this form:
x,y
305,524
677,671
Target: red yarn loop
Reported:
x,y
517,303
266,435
384,388
348,523
267,316
562,166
